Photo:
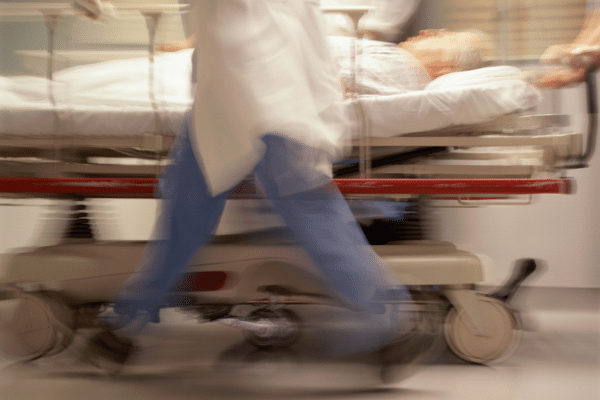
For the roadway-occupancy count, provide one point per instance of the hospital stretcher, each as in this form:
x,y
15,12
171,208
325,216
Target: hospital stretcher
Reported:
x,y
51,292
90,137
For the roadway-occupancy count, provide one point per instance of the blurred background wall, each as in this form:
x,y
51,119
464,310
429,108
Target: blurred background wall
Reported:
x,y
24,38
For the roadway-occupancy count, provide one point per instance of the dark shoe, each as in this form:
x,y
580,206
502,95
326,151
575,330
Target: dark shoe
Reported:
x,y
406,355
109,351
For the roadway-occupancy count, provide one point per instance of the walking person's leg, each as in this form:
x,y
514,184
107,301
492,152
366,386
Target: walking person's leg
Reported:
x,y
322,222
188,219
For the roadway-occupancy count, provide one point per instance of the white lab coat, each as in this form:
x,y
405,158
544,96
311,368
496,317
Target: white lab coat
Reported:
x,y
263,66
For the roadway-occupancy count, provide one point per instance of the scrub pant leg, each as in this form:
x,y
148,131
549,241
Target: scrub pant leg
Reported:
x,y
319,218
189,216
322,222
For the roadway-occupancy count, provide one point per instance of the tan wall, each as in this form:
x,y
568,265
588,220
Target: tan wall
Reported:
x,y
29,34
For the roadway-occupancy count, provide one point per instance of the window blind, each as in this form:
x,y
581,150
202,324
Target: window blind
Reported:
x,y
518,28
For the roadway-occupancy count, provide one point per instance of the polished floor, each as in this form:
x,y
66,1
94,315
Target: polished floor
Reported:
x,y
558,358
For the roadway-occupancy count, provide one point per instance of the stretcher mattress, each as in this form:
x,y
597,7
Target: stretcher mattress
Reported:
x,y
113,99
461,98
109,98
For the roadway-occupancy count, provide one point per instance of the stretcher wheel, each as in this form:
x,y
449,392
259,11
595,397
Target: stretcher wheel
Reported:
x,y
287,331
36,325
498,341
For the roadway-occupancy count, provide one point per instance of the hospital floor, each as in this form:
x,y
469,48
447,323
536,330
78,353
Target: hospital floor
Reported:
x,y
558,358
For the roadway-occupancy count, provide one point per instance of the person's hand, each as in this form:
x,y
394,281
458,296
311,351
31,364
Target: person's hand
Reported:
x,y
557,53
576,61
95,10
585,57
574,55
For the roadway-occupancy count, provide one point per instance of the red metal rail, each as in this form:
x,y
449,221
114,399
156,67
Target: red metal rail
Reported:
x,y
145,187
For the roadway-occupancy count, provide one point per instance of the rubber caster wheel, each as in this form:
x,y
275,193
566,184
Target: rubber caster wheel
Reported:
x,y
284,333
39,325
500,339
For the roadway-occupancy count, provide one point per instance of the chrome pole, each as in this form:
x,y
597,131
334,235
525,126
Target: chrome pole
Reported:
x,y
51,17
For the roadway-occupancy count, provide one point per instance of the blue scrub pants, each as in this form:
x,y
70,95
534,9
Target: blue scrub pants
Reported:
x,y
320,219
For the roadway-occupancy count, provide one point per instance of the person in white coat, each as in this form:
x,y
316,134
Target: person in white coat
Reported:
x,y
266,103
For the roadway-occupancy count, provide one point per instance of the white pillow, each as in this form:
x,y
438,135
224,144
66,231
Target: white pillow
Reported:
x,y
461,98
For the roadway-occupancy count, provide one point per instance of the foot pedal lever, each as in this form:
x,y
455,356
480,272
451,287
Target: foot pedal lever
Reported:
x,y
524,267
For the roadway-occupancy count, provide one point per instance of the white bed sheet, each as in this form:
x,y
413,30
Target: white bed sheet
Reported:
x,y
112,99
461,98
108,98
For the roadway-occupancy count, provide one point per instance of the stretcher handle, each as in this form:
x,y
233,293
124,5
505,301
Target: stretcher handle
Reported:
x,y
592,103
592,110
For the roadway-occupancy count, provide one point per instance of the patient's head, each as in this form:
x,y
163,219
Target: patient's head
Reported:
x,y
440,51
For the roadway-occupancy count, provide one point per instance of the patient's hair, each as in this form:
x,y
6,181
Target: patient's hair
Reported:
x,y
472,54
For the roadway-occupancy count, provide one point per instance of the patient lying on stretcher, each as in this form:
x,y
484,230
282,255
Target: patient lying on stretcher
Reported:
x,y
386,68
426,83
